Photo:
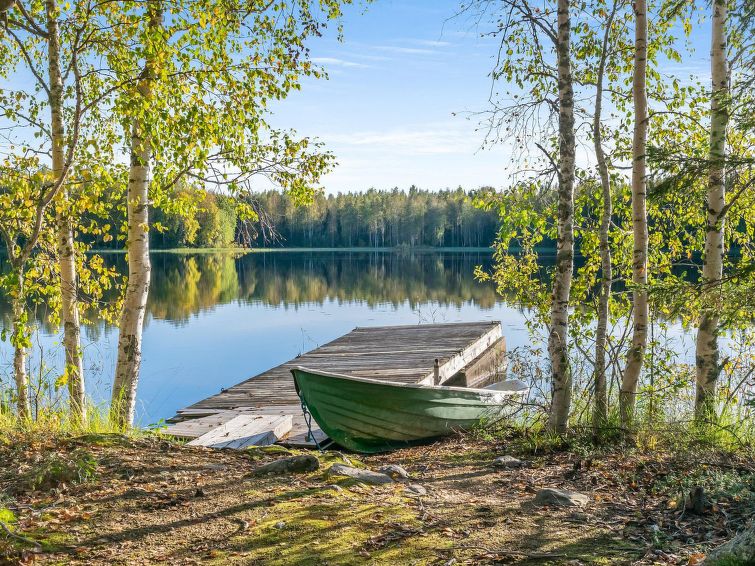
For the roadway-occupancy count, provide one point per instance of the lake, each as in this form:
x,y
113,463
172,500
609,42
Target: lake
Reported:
x,y
215,319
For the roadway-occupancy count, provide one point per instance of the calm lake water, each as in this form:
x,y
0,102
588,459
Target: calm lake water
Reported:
x,y
217,319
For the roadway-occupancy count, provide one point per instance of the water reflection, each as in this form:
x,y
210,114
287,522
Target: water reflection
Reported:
x,y
216,319
184,285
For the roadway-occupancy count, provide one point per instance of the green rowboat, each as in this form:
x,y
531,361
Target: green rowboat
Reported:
x,y
370,415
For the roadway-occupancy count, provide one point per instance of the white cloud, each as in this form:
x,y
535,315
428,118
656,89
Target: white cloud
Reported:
x,y
433,139
335,62
429,42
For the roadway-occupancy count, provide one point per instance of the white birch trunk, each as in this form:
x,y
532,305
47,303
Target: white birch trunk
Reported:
x,y
707,351
600,402
123,405
558,338
19,353
636,355
69,310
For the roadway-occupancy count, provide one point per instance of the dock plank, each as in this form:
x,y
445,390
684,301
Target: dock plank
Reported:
x,y
245,430
404,354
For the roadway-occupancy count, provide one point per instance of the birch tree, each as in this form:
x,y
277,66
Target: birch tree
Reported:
x,y
704,152
34,44
195,106
535,55
69,310
137,243
640,311
707,349
25,196
600,402
558,337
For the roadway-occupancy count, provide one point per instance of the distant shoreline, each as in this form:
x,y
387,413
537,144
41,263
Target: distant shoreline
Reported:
x,y
398,249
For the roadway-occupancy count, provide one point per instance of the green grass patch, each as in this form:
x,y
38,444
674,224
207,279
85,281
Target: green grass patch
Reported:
x,y
339,529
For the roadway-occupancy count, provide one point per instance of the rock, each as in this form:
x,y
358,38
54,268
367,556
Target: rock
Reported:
x,y
395,471
415,490
304,463
280,525
507,462
135,492
739,550
362,476
560,498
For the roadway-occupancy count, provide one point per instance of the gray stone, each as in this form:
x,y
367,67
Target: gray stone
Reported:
x,y
362,476
560,498
739,550
507,462
415,490
395,471
304,463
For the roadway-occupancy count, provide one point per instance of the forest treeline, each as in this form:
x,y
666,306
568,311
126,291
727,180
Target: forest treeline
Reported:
x,y
447,218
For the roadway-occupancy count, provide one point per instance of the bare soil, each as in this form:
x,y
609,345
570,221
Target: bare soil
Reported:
x,y
154,501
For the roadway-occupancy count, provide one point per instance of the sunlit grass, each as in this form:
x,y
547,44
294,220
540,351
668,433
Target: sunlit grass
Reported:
x,y
54,422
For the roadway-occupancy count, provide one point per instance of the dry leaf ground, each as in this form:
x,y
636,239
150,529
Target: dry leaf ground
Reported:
x,y
153,501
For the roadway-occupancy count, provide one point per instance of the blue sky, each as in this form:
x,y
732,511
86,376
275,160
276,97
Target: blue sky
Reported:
x,y
387,109
398,107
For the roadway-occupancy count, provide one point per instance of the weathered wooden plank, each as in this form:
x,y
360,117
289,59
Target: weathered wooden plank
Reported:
x,y
246,430
457,362
397,353
485,369
195,427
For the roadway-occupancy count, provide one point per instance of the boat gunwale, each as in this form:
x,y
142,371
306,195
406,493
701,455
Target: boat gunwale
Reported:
x,y
486,392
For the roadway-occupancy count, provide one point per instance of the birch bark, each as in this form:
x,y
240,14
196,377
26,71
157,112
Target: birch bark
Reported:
x,y
630,379
600,407
69,311
559,315
123,405
707,351
19,353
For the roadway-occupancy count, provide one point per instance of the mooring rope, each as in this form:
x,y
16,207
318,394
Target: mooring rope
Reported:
x,y
308,421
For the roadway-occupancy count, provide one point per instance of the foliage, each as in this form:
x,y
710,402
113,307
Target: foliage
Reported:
x,y
247,56
676,209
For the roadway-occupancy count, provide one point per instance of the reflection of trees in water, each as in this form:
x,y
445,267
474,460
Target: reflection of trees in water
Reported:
x,y
183,285
375,278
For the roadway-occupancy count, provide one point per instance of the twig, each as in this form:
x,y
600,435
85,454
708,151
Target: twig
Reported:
x,y
10,533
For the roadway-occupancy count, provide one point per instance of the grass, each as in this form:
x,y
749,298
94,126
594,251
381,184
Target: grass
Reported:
x,y
57,422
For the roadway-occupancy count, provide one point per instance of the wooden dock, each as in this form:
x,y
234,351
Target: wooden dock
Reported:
x,y
466,354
